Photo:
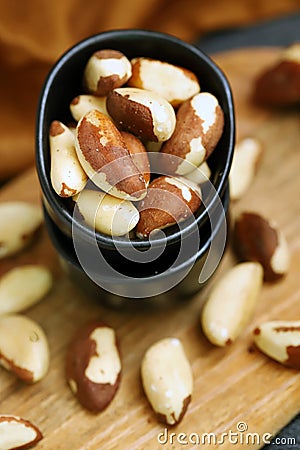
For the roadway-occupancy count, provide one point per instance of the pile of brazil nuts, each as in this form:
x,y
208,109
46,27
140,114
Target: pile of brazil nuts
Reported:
x,y
129,108
24,347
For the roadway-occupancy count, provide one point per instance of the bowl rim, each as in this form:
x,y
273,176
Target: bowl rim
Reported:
x,y
50,197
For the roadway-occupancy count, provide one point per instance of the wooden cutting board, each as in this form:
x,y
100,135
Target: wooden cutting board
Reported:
x,y
232,385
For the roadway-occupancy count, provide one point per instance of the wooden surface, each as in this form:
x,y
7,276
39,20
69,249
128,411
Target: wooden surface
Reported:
x,y
232,385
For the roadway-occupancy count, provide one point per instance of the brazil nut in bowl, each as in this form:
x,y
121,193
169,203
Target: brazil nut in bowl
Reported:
x,y
135,136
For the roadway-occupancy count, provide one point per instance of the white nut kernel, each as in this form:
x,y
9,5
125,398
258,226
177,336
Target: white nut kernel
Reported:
x,y
143,113
106,70
67,176
17,433
24,347
23,287
231,303
107,214
200,175
19,222
82,104
174,83
93,365
167,380
246,157
280,340
199,126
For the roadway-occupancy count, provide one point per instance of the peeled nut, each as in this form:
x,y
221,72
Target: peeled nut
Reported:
x,y
199,126
231,303
105,158
107,214
168,201
167,380
141,112
279,85
18,225
200,175
138,154
255,238
67,176
22,287
93,365
82,104
174,83
17,433
105,70
246,157
280,340
24,347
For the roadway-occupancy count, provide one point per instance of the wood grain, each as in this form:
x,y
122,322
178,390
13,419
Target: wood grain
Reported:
x,y
235,384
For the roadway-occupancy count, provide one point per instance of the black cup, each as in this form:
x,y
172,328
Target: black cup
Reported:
x,y
182,250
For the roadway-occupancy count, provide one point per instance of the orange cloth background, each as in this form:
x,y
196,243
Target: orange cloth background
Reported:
x,y
34,33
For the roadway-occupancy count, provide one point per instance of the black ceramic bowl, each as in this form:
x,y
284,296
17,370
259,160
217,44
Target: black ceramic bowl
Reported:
x,y
132,278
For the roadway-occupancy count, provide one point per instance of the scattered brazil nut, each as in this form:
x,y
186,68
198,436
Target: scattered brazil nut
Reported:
x,y
199,126
22,287
280,340
105,158
167,380
93,365
82,104
105,70
169,200
279,84
141,112
231,303
67,176
176,84
107,214
18,225
24,348
256,238
17,433
246,157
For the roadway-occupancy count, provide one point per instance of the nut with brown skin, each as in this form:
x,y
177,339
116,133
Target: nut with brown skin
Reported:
x,y
279,85
138,154
256,238
176,84
24,348
199,126
18,225
93,365
280,340
66,173
143,113
105,158
17,433
167,380
168,201
105,70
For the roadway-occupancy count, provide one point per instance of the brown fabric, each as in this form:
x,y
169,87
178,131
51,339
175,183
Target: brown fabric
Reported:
x,y
34,33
